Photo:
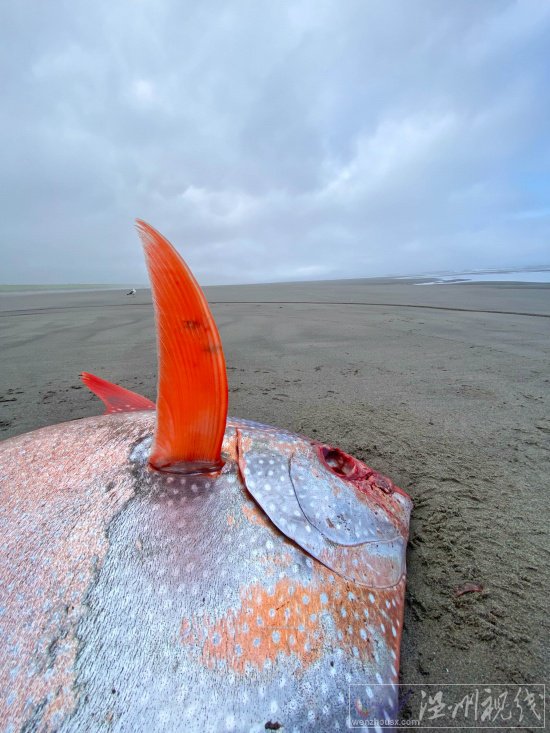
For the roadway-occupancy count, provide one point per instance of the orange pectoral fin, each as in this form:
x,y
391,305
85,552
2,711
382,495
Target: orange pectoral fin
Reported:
x,y
115,398
192,386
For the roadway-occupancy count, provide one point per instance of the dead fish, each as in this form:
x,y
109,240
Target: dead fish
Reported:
x,y
168,568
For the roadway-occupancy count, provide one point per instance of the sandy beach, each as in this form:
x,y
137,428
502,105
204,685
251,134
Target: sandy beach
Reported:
x,y
445,388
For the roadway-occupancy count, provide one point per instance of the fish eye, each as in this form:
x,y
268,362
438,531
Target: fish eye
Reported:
x,y
339,462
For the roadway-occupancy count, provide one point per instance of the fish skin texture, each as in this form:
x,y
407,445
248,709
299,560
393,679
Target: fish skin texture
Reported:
x,y
139,600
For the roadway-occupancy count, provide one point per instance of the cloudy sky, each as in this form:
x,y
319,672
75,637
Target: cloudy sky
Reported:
x,y
272,139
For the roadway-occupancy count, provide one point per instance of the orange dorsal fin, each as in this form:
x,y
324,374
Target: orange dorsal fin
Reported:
x,y
192,383
115,398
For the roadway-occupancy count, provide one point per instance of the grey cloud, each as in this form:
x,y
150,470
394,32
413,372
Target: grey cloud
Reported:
x,y
274,141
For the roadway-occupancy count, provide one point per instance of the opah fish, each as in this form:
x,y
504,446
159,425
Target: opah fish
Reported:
x,y
174,569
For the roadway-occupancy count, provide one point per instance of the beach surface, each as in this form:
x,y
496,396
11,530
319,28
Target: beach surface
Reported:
x,y
444,388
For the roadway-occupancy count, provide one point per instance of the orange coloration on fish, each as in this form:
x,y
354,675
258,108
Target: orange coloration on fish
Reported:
x,y
255,515
115,398
192,383
49,556
290,619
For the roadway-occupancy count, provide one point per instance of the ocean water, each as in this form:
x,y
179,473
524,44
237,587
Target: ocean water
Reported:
x,y
535,275
70,288
523,276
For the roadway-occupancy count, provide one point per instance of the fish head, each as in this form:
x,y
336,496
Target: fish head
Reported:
x,y
335,507
345,514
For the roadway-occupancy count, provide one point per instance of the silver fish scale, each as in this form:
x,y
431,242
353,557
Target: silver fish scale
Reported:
x,y
129,680
333,506
172,603
272,478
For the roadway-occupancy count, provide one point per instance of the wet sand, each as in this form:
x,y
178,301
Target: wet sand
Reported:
x,y
444,388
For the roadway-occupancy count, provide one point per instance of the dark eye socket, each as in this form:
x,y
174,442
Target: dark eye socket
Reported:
x,y
339,462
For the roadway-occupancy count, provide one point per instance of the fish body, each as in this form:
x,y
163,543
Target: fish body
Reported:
x,y
170,570
140,600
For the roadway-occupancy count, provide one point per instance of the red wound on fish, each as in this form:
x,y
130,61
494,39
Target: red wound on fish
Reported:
x,y
192,387
339,462
115,398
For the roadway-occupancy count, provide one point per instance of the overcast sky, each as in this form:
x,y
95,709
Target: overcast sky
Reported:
x,y
274,140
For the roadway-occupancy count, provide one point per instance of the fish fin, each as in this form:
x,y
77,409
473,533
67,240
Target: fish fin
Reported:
x,y
115,398
269,470
192,385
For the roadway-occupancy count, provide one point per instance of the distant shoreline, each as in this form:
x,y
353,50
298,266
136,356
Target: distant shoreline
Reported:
x,y
72,288
539,274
